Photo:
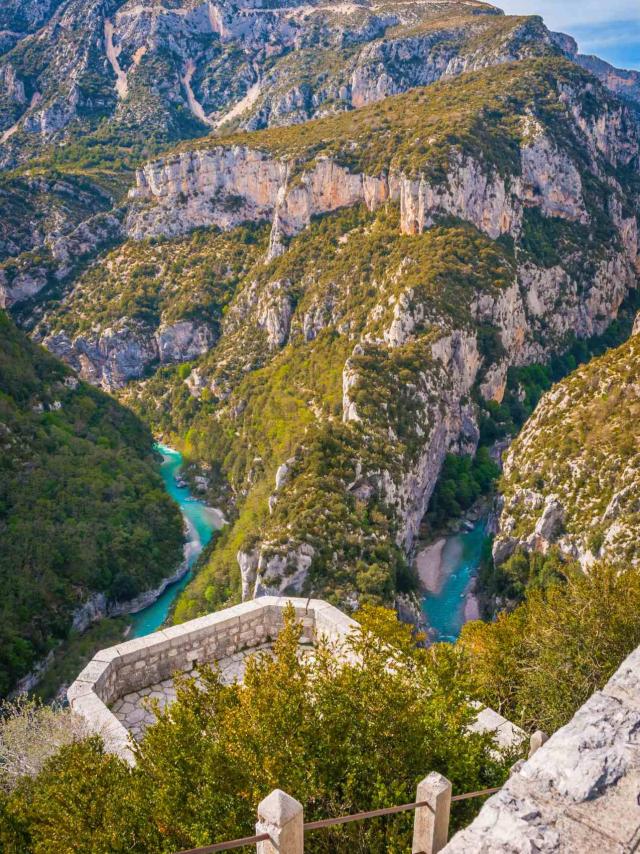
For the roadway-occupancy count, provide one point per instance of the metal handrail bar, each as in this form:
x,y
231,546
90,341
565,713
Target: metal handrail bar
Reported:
x,y
345,819
359,816
332,822
479,794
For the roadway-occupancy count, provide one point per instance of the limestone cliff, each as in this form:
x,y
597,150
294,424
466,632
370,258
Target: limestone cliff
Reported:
x,y
396,262
571,478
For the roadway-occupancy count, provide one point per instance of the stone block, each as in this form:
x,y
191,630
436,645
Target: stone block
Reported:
x,y
78,689
94,671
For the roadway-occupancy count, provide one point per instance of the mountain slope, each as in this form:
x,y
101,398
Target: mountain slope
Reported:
x,y
95,87
182,68
82,509
572,477
493,148
319,311
407,270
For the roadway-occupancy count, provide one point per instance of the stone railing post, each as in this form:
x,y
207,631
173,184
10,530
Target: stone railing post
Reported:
x,y
281,816
431,823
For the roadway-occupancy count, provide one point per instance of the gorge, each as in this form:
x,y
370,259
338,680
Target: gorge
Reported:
x,y
363,277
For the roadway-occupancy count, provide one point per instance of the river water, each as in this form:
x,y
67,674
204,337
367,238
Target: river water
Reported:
x,y
202,522
461,556
444,610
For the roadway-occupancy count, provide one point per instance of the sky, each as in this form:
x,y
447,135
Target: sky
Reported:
x,y
608,28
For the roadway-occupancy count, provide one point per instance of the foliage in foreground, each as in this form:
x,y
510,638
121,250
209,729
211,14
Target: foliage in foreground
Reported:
x,y
540,663
340,737
30,734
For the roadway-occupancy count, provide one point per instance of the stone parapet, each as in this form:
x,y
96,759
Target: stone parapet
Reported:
x,y
132,665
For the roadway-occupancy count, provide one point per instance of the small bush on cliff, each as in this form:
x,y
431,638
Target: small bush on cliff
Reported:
x,y
539,664
340,737
30,734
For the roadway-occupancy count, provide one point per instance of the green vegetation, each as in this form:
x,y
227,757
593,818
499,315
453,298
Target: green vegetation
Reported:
x,y
164,281
508,583
261,406
342,737
538,664
82,507
462,481
582,446
76,651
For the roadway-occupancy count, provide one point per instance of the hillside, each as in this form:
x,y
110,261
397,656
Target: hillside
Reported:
x,y
389,281
318,312
82,508
122,70
572,476
92,90
164,72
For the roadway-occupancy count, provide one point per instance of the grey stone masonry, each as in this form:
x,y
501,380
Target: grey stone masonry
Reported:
x,y
136,712
111,692
580,792
146,666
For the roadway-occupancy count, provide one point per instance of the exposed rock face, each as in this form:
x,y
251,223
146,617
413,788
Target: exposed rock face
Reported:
x,y
182,341
458,364
545,298
274,314
531,183
228,186
98,607
571,477
211,55
279,574
125,351
577,793
624,83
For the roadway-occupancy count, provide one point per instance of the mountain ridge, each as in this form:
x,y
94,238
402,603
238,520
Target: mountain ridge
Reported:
x,y
319,311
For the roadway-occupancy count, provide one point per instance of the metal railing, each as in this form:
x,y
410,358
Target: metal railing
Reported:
x,y
429,835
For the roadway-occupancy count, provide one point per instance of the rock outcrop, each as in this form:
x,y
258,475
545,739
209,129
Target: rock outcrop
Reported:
x,y
577,793
571,477
230,185
128,349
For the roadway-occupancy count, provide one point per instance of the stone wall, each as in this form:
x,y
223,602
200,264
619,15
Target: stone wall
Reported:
x,y
134,664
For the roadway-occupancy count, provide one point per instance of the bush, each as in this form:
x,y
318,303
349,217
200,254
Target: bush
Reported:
x,y
340,736
539,664
31,733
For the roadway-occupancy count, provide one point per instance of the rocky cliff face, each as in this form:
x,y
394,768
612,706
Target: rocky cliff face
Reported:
x,y
191,66
185,68
115,355
361,322
571,477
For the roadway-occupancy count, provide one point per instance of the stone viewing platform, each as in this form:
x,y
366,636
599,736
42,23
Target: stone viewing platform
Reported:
x,y
580,792
111,692
132,710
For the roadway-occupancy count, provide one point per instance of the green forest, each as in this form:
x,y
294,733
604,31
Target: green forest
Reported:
x,y
82,506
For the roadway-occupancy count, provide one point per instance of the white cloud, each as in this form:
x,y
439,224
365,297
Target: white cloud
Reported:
x,y
564,14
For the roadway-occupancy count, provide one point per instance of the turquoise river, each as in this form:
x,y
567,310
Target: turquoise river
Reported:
x,y
202,522
444,611
461,556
